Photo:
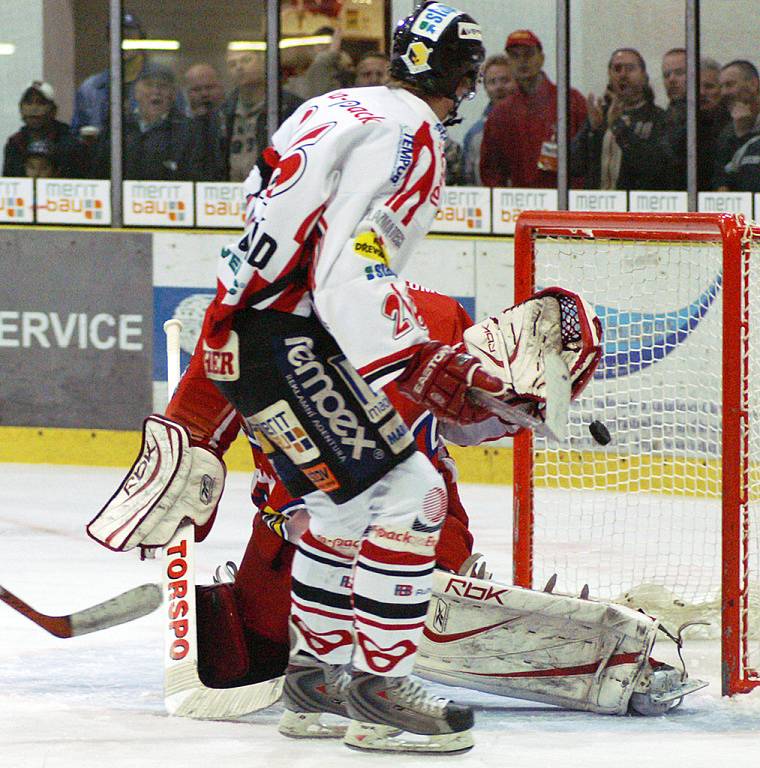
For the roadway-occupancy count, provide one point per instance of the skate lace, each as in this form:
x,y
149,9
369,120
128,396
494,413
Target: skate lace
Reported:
x,y
416,697
338,679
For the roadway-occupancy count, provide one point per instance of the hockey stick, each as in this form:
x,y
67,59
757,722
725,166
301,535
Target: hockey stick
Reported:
x,y
130,605
558,391
185,695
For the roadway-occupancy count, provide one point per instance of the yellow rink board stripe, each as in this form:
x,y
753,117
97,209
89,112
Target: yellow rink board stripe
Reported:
x,y
563,469
109,448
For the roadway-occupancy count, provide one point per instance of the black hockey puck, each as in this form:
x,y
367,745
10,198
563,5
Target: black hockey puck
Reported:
x,y
599,432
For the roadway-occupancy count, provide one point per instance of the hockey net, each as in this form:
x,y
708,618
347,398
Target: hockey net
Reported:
x,y
667,516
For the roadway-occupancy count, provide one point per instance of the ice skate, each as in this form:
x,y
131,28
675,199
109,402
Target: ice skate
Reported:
x,y
382,708
313,688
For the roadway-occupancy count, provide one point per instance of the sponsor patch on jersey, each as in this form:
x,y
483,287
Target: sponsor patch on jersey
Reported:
x,y
280,427
322,477
378,272
367,245
469,31
396,434
433,20
404,154
416,57
222,364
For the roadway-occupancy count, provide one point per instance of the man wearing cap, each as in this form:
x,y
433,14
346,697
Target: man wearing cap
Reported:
x,y
38,112
92,103
519,139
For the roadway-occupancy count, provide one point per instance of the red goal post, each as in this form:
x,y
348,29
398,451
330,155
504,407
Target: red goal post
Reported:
x,y
668,515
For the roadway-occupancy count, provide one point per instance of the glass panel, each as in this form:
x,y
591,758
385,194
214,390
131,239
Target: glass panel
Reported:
x,y
519,146
729,98
38,53
635,135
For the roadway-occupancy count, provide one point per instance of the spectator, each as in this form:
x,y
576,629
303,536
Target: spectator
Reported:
x,y
499,83
674,80
519,139
330,69
713,118
742,172
624,142
740,91
372,69
245,115
159,142
38,112
204,90
40,160
205,96
92,103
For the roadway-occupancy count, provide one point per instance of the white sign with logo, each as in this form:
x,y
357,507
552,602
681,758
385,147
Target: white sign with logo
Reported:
x,y
642,201
158,203
508,204
464,209
598,200
73,201
725,202
219,205
16,200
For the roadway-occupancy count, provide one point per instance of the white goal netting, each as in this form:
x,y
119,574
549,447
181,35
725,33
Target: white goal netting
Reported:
x,y
641,519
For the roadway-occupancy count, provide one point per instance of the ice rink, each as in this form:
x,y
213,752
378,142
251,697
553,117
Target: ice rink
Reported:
x,y
96,700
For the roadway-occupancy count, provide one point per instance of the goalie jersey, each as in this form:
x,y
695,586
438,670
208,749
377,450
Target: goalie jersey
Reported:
x,y
335,206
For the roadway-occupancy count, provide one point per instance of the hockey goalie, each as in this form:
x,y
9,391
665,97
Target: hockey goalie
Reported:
x,y
481,634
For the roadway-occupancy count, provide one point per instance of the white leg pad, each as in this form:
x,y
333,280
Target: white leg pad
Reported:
x,y
570,652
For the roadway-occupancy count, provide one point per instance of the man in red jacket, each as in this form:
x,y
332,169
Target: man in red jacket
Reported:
x,y
519,140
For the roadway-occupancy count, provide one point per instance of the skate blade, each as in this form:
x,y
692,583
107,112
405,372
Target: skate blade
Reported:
x,y
307,725
370,737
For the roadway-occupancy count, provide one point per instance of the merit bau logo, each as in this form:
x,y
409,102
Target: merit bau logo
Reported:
x,y
464,210
16,200
158,204
219,205
73,201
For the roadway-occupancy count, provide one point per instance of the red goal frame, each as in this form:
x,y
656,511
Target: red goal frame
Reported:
x,y
735,236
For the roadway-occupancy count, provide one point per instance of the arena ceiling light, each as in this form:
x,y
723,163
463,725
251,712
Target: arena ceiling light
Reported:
x,y
150,45
288,42
7,49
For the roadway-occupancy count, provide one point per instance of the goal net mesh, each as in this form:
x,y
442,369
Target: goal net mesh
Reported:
x,y
639,520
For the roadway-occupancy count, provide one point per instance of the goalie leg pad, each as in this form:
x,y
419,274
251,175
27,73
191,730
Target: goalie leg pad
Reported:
x,y
554,649
169,481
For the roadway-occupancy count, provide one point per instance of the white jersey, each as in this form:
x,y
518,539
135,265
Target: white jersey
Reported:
x,y
356,183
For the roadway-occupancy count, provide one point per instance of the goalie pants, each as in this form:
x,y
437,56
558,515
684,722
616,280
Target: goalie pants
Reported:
x,y
376,504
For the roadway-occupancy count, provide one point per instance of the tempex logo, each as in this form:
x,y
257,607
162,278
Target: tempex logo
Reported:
x,y
320,390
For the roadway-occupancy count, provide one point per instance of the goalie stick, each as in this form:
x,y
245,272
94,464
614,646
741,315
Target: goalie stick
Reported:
x,y
185,695
130,605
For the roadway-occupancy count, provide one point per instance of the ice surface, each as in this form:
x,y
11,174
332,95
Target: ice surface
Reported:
x,y
96,701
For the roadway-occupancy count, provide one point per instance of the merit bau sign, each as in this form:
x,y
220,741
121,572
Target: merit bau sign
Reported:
x,y
158,203
73,201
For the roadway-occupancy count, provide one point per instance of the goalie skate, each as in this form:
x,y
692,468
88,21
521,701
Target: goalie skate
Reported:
x,y
383,708
555,649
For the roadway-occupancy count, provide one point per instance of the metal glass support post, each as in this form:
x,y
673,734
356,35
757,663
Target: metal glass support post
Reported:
x,y
692,101
563,103
273,66
116,75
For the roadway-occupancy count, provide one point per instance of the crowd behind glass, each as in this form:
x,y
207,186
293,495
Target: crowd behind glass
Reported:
x,y
188,128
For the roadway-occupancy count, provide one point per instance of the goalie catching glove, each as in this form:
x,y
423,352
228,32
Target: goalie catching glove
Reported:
x,y
514,345
438,377
171,480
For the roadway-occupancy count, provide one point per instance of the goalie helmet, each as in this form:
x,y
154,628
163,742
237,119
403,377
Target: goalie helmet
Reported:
x,y
435,47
